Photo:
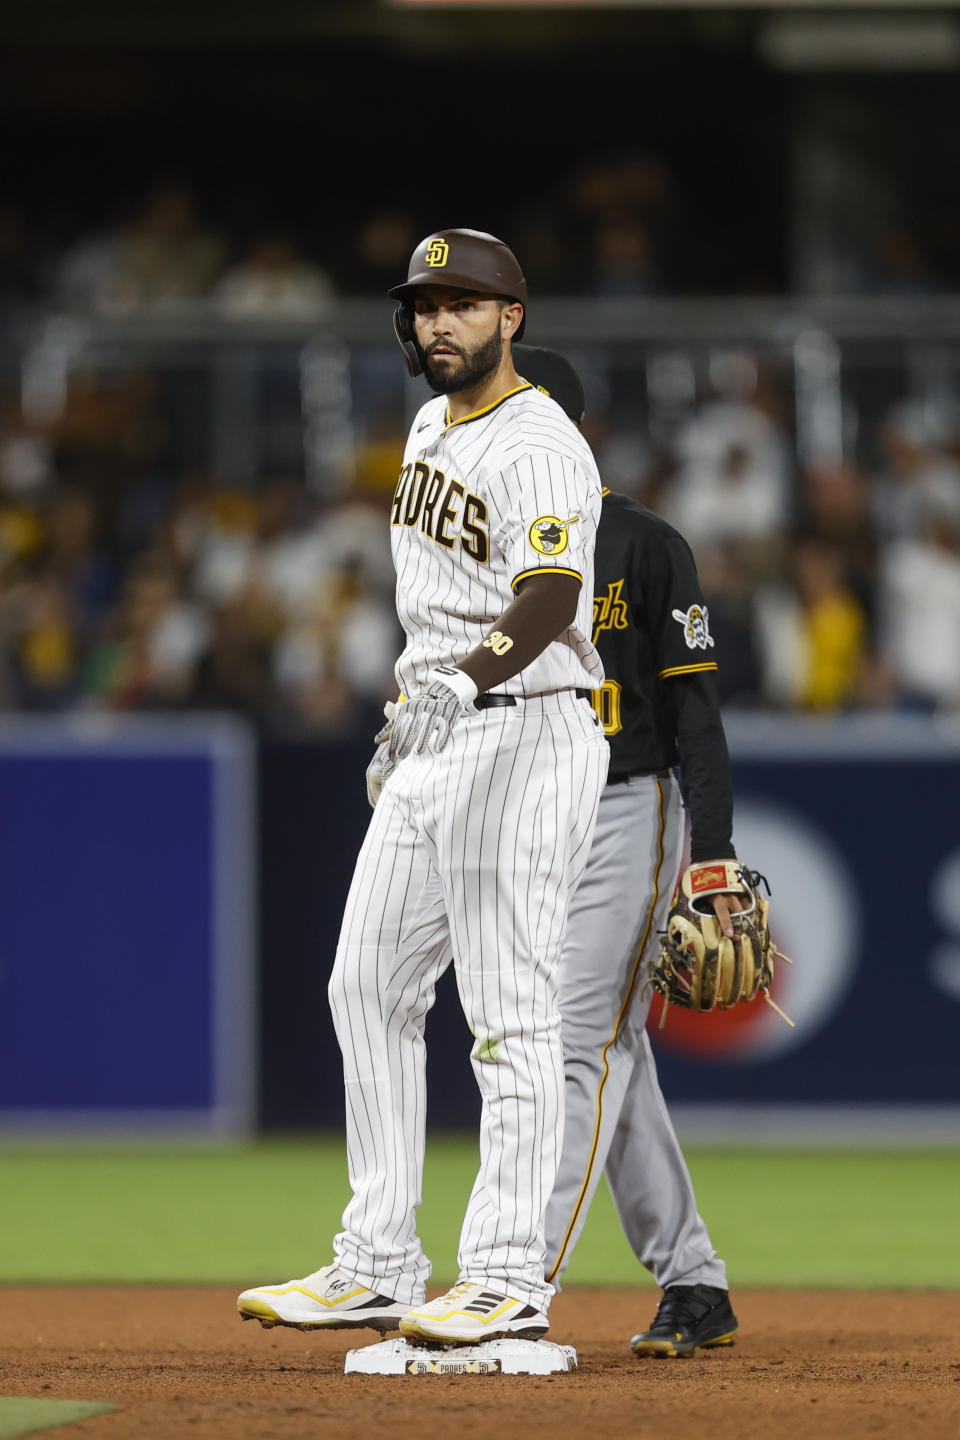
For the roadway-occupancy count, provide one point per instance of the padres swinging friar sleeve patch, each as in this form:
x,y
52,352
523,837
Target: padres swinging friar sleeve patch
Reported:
x,y
552,521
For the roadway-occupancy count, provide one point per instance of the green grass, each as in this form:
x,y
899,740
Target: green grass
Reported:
x,y
20,1417
268,1211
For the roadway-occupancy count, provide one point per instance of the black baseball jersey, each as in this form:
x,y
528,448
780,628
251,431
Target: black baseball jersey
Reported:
x,y
659,701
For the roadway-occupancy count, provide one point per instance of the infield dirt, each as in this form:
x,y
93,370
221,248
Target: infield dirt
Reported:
x,y
178,1362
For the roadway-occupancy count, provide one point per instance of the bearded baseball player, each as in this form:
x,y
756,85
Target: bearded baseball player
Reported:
x,y
659,706
488,782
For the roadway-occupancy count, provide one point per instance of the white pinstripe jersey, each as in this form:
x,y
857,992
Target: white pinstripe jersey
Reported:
x,y
481,504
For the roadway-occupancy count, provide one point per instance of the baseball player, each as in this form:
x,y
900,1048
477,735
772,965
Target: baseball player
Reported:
x,y
659,705
490,776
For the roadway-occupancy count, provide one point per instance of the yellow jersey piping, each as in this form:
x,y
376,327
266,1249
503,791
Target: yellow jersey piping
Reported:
x,y
449,424
688,669
615,1036
544,570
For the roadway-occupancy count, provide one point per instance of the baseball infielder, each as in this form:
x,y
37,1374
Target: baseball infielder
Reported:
x,y
659,705
491,778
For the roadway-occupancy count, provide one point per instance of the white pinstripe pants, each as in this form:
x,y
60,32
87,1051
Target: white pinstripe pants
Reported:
x,y
473,852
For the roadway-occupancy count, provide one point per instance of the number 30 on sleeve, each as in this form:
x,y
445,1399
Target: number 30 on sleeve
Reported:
x,y
498,643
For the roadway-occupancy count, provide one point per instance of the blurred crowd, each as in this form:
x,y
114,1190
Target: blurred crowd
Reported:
x,y
127,586
130,581
137,574
831,585
620,225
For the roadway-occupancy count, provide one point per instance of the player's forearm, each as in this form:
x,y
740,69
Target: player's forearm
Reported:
x,y
705,764
545,607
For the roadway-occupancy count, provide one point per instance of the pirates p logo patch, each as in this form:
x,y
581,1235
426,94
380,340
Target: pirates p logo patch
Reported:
x,y
695,622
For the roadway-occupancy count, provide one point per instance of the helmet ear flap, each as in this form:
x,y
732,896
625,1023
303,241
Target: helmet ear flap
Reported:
x,y
407,338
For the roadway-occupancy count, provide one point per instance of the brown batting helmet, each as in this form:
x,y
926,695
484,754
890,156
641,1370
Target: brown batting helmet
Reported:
x,y
465,259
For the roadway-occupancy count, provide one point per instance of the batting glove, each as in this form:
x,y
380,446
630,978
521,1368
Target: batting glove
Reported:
x,y
425,722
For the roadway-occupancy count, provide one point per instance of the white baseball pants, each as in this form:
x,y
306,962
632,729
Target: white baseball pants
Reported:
x,y
474,852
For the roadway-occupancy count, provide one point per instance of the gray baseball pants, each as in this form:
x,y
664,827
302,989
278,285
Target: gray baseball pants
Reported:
x,y
616,1116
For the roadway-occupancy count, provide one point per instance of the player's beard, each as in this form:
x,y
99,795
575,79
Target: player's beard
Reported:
x,y
477,365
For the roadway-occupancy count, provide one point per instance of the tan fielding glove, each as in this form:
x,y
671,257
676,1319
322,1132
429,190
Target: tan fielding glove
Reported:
x,y
700,968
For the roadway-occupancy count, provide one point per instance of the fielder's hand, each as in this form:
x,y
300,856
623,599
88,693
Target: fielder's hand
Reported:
x,y
425,722
724,907
381,766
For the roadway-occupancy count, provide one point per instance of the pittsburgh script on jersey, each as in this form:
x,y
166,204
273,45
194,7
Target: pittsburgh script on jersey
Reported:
x,y
444,510
610,611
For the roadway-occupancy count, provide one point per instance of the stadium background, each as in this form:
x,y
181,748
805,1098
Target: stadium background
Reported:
x,y
743,226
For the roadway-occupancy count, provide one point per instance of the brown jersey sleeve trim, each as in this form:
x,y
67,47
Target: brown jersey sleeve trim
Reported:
x,y
545,570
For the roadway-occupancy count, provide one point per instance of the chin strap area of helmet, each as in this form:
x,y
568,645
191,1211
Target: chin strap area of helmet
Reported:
x,y
407,339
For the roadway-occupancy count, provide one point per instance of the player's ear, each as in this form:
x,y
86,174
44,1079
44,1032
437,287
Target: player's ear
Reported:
x,y
511,318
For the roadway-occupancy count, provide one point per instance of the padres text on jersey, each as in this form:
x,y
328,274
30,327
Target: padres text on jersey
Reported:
x,y
480,505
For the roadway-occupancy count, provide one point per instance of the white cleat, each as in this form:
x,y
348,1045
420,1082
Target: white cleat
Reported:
x,y
469,1314
326,1300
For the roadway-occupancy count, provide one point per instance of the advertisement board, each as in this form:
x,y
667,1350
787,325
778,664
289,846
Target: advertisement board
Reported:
x,y
127,915
854,822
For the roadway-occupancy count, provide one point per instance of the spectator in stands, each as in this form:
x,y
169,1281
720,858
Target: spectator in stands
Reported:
x,y
216,536
165,257
383,247
835,506
274,281
152,644
728,588
87,571
26,460
919,470
39,633
86,275
290,560
899,266
25,480
234,672
813,631
731,483
340,650
920,607
329,576
626,206
623,260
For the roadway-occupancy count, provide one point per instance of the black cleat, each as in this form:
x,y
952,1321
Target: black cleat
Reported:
x,y
689,1317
